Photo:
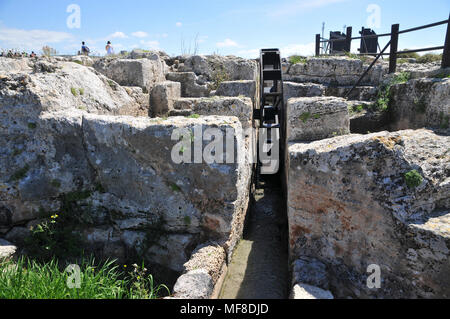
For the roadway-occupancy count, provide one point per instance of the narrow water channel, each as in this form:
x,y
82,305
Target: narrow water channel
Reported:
x,y
259,268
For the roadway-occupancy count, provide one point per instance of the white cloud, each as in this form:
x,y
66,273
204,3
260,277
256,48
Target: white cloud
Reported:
x,y
250,54
300,6
31,39
118,35
300,49
164,35
227,43
140,34
178,24
149,44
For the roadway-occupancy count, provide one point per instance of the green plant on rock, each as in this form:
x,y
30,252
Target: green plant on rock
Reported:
x,y
81,91
296,59
219,75
143,286
74,91
413,179
305,117
384,93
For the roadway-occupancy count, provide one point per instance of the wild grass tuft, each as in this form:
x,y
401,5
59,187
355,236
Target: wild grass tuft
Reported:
x,y
29,279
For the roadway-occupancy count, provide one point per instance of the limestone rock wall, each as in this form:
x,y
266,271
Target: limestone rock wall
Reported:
x,y
350,206
421,103
63,136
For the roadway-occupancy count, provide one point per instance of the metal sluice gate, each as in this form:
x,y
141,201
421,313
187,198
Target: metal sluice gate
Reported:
x,y
269,116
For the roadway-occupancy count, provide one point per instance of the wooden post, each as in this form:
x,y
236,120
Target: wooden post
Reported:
x,y
446,55
348,40
394,48
318,44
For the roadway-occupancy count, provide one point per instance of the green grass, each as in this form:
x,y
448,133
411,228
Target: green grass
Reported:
x,y
29,279
194,116
296,59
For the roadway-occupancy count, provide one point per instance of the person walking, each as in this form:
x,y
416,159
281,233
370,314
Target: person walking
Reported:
x,y
109,48
84,49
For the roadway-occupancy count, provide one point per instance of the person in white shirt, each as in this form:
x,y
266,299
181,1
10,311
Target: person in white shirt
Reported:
x,y
109,48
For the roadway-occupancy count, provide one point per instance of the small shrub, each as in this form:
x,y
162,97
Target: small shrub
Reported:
x,y
430,57
411,55
384,94
48,51
296,59
194,116
356,108
81,91
220,75
413,179
74,91
32,126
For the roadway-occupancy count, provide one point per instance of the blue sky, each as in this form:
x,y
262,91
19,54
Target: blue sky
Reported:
x,y
239,27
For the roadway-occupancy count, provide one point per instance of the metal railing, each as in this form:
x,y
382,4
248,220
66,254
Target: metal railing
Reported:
x,y
393,43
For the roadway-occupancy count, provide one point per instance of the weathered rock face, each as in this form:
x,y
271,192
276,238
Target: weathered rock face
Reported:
x,y
144,73
366,118
190,85
70,86
334,70
7,250
151,203
209,66
292,89
82,60
315,118
207,260
238,89
351,204
241,107
14,65
118,169
421,103
361,93
163,96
